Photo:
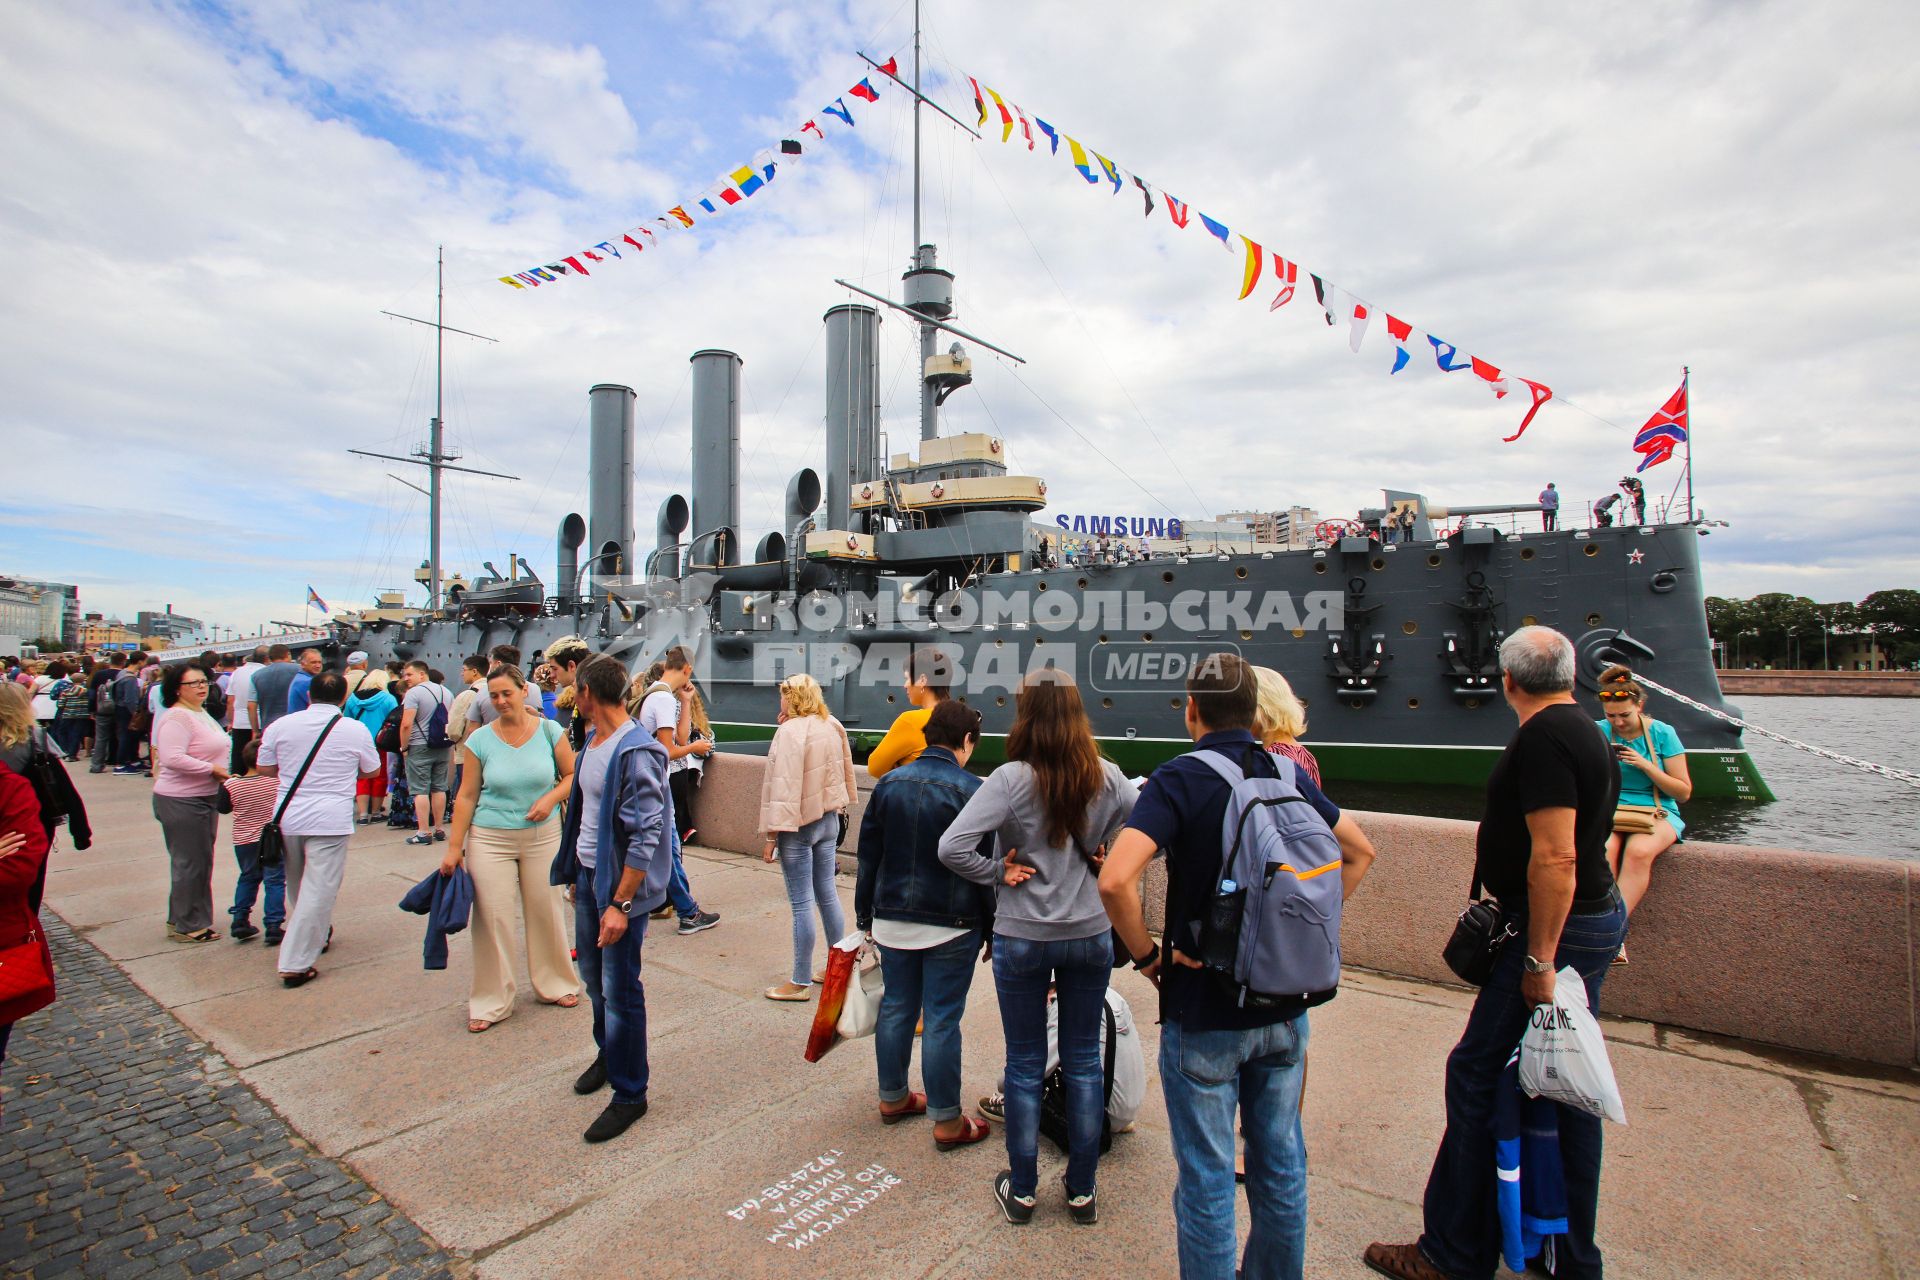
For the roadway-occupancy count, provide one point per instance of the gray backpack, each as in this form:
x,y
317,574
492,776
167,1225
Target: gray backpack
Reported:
x,y
1274,935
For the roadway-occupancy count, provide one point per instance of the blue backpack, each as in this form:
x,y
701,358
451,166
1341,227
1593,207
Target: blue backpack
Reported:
x,y
436,729
1274,935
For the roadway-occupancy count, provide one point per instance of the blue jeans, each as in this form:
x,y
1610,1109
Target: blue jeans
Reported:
x,y
1079,969
934,980
679,892
1462,1235
274,911
806,859
612,979
1207,1076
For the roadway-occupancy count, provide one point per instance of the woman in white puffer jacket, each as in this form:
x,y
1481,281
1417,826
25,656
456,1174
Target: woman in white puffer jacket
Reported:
x,y
808,784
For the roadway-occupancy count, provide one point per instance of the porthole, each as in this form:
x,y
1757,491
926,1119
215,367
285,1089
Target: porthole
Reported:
x,y
1000,701
1593,619
1357,704
1103,637
1174,703
1526,553
1299,633
999,644
1319,566
1107,703
1472,703
1413,704
1240,572
1042,585
1167,576
1083,584
1146,637
1433,561
1410,627
1246,635
1529,621
1592,550
889,697
1379,563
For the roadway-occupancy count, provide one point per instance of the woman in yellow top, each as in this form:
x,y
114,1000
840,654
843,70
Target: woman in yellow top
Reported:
x,y
929,679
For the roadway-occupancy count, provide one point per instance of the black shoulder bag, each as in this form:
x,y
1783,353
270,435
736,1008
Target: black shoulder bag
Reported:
x,y
1053,1093
273,845
1477,937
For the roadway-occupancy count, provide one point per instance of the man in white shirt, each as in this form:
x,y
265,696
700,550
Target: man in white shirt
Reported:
x,y
318,820
239,694
666,716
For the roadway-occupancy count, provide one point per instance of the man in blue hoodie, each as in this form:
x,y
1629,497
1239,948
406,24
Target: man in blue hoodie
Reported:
x,y
617,852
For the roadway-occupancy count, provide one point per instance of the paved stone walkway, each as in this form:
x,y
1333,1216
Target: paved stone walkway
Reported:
x,y
130,1148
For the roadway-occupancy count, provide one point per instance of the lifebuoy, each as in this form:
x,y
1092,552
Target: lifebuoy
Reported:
x,y
866,491
1334,530
939,490
993,446
853,543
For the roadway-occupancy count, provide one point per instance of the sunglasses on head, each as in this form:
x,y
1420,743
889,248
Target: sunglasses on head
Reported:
x,y
1617,695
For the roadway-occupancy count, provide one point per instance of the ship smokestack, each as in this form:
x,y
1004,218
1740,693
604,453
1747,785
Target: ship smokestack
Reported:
x,y
853,407
668,528
803,499
716,459
610,478
566,556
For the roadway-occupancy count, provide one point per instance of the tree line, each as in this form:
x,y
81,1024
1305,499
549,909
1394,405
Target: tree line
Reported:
x,y
1781,630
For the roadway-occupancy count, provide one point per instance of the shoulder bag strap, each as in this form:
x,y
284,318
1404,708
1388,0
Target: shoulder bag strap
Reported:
x,y
300,777
1113,1043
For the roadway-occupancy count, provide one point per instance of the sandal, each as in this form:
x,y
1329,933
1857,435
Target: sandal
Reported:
x,y
477,1025
299,979
565,1002
198,935
915,1104
971,1131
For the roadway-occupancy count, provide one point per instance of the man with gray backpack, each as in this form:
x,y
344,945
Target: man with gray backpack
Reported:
x,y
1259,862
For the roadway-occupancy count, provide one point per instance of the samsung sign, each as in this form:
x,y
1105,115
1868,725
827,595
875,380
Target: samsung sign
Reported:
x,y
1121,526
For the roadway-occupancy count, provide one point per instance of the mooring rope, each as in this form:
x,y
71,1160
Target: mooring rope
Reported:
x,y
1885,771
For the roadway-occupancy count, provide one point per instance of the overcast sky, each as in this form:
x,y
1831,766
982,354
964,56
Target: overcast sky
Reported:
x,y
207,206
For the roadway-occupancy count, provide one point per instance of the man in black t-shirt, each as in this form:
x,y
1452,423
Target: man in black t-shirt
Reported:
x,y
1542,851
1216,1057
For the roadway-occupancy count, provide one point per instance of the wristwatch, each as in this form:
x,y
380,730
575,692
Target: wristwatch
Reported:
x,y
624,908
1537,966
1143,964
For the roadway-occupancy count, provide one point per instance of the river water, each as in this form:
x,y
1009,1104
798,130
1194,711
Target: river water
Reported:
x,y
1821,805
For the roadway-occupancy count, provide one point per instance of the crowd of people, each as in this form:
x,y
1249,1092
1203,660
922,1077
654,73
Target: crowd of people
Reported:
x,y
574,787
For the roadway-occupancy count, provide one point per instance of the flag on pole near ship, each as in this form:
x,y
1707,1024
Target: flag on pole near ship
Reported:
x,y
1664,431
313,599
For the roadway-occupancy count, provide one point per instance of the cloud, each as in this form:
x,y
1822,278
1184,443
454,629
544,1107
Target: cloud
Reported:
x,y
207,209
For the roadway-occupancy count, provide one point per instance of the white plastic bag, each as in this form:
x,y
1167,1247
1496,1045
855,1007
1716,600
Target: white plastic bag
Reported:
x,y
860,1013
1563,1056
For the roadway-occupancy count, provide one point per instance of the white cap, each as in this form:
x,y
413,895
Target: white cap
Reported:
x,y
358,658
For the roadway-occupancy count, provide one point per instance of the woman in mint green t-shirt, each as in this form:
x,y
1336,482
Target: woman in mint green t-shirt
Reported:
x,y
1653,770
514,774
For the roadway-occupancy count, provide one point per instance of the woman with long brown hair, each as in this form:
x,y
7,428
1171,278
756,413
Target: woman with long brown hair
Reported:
x,y
1653,783
1051,807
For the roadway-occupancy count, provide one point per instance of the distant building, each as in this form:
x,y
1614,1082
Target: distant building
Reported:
x,y
35,610
1292,528
168,626
96,631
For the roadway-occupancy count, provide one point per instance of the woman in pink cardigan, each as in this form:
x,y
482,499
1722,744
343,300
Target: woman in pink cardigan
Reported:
x,y
190,754
808,783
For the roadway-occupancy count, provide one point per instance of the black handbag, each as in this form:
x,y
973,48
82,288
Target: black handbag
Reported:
x,y
1477,937
273,845
1053,1094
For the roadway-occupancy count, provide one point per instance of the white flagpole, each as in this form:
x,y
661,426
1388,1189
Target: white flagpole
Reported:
x,y
1686,384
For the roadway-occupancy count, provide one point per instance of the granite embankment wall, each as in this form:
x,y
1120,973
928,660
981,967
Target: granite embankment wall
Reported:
x,y
1822,684
1808,951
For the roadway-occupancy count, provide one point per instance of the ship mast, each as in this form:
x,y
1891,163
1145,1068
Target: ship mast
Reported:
x,y
434,457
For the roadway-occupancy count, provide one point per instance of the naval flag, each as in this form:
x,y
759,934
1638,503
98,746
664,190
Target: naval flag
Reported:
x,y
313,598
1664,430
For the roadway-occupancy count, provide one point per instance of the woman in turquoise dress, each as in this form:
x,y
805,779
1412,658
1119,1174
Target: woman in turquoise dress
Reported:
x,y
1653,771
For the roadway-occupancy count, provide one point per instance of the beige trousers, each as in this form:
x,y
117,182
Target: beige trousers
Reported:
x,y
509,870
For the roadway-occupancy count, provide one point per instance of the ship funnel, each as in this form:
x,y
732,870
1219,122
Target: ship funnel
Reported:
x,y
853,407
716,459
803,499
610,478
668,528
